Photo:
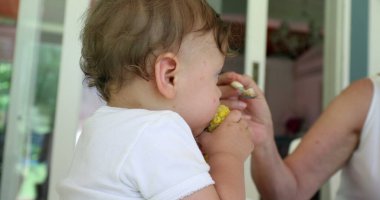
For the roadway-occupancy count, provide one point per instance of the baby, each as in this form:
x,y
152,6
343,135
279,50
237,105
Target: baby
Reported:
x,y
156,63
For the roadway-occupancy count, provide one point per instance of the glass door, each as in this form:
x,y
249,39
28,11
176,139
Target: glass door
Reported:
x,y
30,54
69,95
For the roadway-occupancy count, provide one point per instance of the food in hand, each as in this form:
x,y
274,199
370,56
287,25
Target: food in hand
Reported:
x,y
220,115
246,93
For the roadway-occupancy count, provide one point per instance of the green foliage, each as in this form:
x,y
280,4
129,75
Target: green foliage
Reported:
x,y
5,78
47,80
46,84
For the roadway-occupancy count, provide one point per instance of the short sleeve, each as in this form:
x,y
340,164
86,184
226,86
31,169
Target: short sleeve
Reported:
x,y
165,162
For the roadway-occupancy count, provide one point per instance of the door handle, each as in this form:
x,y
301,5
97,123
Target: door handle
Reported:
x,y
255,71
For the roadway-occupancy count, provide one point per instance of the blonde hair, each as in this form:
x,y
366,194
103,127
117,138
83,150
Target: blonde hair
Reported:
x,y
121,37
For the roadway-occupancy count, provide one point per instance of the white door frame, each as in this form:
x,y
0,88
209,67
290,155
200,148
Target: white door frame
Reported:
x,y
374,37
336,58
69,95
254,64
336,65
256,37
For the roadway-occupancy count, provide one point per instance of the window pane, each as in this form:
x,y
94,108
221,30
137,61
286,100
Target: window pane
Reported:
x,y
30,56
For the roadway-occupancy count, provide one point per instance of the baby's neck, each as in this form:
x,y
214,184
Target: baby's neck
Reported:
x,y
139,94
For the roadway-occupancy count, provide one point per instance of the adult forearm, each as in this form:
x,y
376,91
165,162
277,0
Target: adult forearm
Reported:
x,y
272,177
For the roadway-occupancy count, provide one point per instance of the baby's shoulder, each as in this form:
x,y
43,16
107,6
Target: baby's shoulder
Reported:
x,y
167,121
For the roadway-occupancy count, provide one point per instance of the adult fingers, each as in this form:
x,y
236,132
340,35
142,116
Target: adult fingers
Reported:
x,y
228,91
234,104
227,77
248,82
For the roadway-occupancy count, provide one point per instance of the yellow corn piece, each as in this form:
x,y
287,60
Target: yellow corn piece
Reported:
x,y
221,114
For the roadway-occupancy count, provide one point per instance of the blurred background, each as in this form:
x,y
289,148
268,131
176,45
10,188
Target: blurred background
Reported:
x,y
301,52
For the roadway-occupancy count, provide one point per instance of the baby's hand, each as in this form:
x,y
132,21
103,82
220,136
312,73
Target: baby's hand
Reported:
x,y
231,138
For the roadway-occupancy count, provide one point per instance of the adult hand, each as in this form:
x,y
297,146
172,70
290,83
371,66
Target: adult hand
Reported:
x,y
256,109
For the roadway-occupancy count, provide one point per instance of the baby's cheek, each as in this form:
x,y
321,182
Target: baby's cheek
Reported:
x,y
215,104
216,101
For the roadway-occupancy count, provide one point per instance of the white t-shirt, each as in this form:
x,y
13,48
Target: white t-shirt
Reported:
x,y
361,177
135,154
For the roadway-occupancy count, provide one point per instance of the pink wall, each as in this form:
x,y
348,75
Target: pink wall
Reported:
x,y
294,90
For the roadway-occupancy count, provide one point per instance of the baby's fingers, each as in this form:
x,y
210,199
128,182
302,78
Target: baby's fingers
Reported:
x,y
204,139
234,116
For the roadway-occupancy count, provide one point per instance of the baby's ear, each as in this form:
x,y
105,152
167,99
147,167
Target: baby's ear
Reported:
x,y
165,71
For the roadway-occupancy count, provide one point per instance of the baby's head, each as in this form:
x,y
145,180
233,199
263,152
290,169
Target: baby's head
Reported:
x,y
122,38
176,47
